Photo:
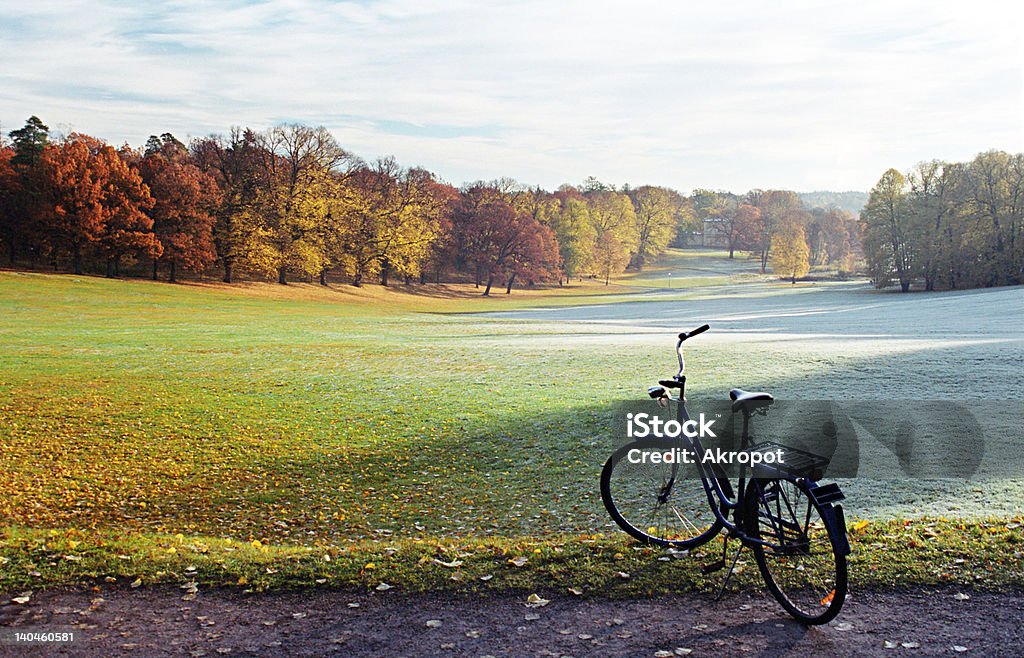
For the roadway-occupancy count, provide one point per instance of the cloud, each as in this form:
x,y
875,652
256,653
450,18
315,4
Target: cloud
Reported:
x,y
797,94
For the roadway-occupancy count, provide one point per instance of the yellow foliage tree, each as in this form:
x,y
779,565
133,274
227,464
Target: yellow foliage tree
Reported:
x,y
790,256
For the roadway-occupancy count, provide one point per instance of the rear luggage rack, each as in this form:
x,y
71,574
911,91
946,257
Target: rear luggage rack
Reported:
x,y
825,494
795,462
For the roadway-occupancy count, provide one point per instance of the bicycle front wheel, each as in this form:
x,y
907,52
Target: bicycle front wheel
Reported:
x,y
658,503
799,560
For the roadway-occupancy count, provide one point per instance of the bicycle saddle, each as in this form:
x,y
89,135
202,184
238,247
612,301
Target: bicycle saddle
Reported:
x,y
740,398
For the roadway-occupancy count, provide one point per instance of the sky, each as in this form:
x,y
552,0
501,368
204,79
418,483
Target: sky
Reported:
x,y
733,95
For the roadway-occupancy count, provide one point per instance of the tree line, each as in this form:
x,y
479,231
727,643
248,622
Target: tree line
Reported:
x,y
948,225
780,230
289,203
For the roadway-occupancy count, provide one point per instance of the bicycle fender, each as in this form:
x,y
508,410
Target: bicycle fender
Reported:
x,y
835,519
828,496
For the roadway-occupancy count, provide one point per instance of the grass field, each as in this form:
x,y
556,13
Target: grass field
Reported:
x,y
138,420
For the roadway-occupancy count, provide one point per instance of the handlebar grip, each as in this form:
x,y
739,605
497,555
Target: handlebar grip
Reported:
x,y
699,330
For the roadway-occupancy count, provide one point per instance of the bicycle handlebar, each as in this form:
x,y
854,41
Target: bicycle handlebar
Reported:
x,y
690,334
679,348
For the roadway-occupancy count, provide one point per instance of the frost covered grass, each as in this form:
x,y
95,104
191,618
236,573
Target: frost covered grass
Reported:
x,y
314,419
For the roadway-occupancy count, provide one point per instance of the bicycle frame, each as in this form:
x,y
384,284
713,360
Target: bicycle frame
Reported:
x,y
718,500
712,488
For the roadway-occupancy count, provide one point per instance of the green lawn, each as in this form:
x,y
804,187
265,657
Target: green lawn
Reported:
x,y
137,418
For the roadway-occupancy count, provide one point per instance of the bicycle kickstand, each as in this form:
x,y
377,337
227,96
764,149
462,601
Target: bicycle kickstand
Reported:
x,y
732,567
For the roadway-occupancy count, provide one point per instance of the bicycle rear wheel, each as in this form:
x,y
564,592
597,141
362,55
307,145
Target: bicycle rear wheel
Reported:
x,y
800,562
658,503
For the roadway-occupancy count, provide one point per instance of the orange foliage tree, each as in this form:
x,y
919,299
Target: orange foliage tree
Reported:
x,y
501,242
93,198
184,198
10,188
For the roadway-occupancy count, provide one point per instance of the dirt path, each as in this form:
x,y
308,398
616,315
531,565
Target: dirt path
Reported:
x,y
157,621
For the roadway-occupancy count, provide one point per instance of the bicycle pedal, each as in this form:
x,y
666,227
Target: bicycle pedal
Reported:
x,y
713,567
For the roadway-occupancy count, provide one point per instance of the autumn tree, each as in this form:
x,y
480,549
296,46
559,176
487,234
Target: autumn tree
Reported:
x,y
569,218
185,199
776,208
656,218
611,256
398,215
501,242
532,258
790,252
93,198
932,221
733,221
234,163
743,226
615,228
296,164
439,254
11,223
889,229
993,195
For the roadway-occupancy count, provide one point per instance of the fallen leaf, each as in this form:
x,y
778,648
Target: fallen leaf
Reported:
x,y
518,561
683,651
910,645
535,601
960,596
450,565
959,648
383,587
136,583
21,600
487,577
576,591
433,623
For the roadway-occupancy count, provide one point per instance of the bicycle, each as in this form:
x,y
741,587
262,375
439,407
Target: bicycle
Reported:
x,y
794,525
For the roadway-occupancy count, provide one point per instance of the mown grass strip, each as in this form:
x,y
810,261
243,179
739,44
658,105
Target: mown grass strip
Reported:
x,y
981,554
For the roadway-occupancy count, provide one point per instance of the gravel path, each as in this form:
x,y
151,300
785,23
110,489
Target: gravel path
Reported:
x,y
157,621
